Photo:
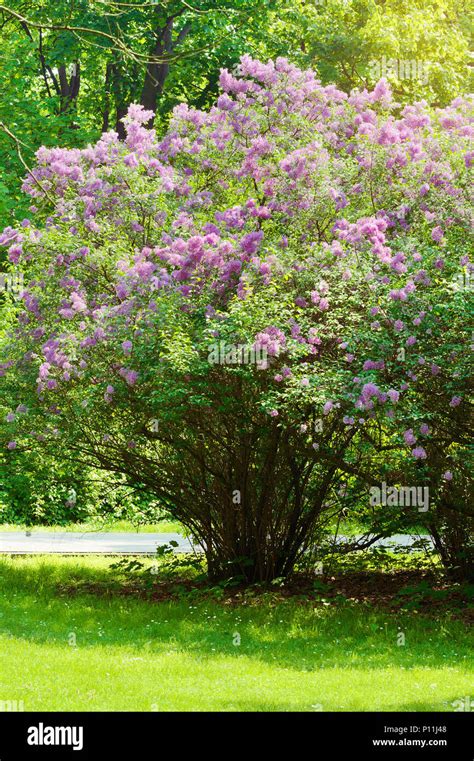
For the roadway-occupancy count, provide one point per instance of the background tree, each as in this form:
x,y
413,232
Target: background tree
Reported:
x,y
422,48
70,71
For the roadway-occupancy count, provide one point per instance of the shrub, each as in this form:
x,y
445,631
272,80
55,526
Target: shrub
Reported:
x,y
255,308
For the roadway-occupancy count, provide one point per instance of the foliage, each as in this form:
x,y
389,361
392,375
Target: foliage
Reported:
x,y
423,48
38,487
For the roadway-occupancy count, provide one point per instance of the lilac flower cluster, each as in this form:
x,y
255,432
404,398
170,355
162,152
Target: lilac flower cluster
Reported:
x,y
337,205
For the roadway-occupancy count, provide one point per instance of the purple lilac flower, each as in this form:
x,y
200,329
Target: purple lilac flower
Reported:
x,y
419,453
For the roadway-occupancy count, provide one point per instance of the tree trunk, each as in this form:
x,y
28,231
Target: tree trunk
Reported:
x,y
69,89
156,71
454,541
107,88
263,537
116,76
158,66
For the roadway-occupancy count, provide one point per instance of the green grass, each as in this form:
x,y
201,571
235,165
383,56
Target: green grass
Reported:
x,y
138,654
352,526
346,528
162,527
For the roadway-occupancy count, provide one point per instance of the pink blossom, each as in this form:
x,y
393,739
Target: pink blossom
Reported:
x,y
419,453
409,436
131,376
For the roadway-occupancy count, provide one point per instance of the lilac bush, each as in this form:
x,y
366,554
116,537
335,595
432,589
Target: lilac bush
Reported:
x,y
266,303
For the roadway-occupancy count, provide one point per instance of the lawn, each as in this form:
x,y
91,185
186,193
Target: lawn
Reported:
x,y
72,638
347,528
116,526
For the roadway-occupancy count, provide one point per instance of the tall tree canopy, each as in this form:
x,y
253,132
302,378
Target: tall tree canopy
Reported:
x,y
69,70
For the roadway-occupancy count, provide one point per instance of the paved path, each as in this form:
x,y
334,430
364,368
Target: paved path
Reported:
x,y
70,543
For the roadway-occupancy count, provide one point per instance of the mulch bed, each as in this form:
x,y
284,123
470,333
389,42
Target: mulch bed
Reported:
x,y
422,591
